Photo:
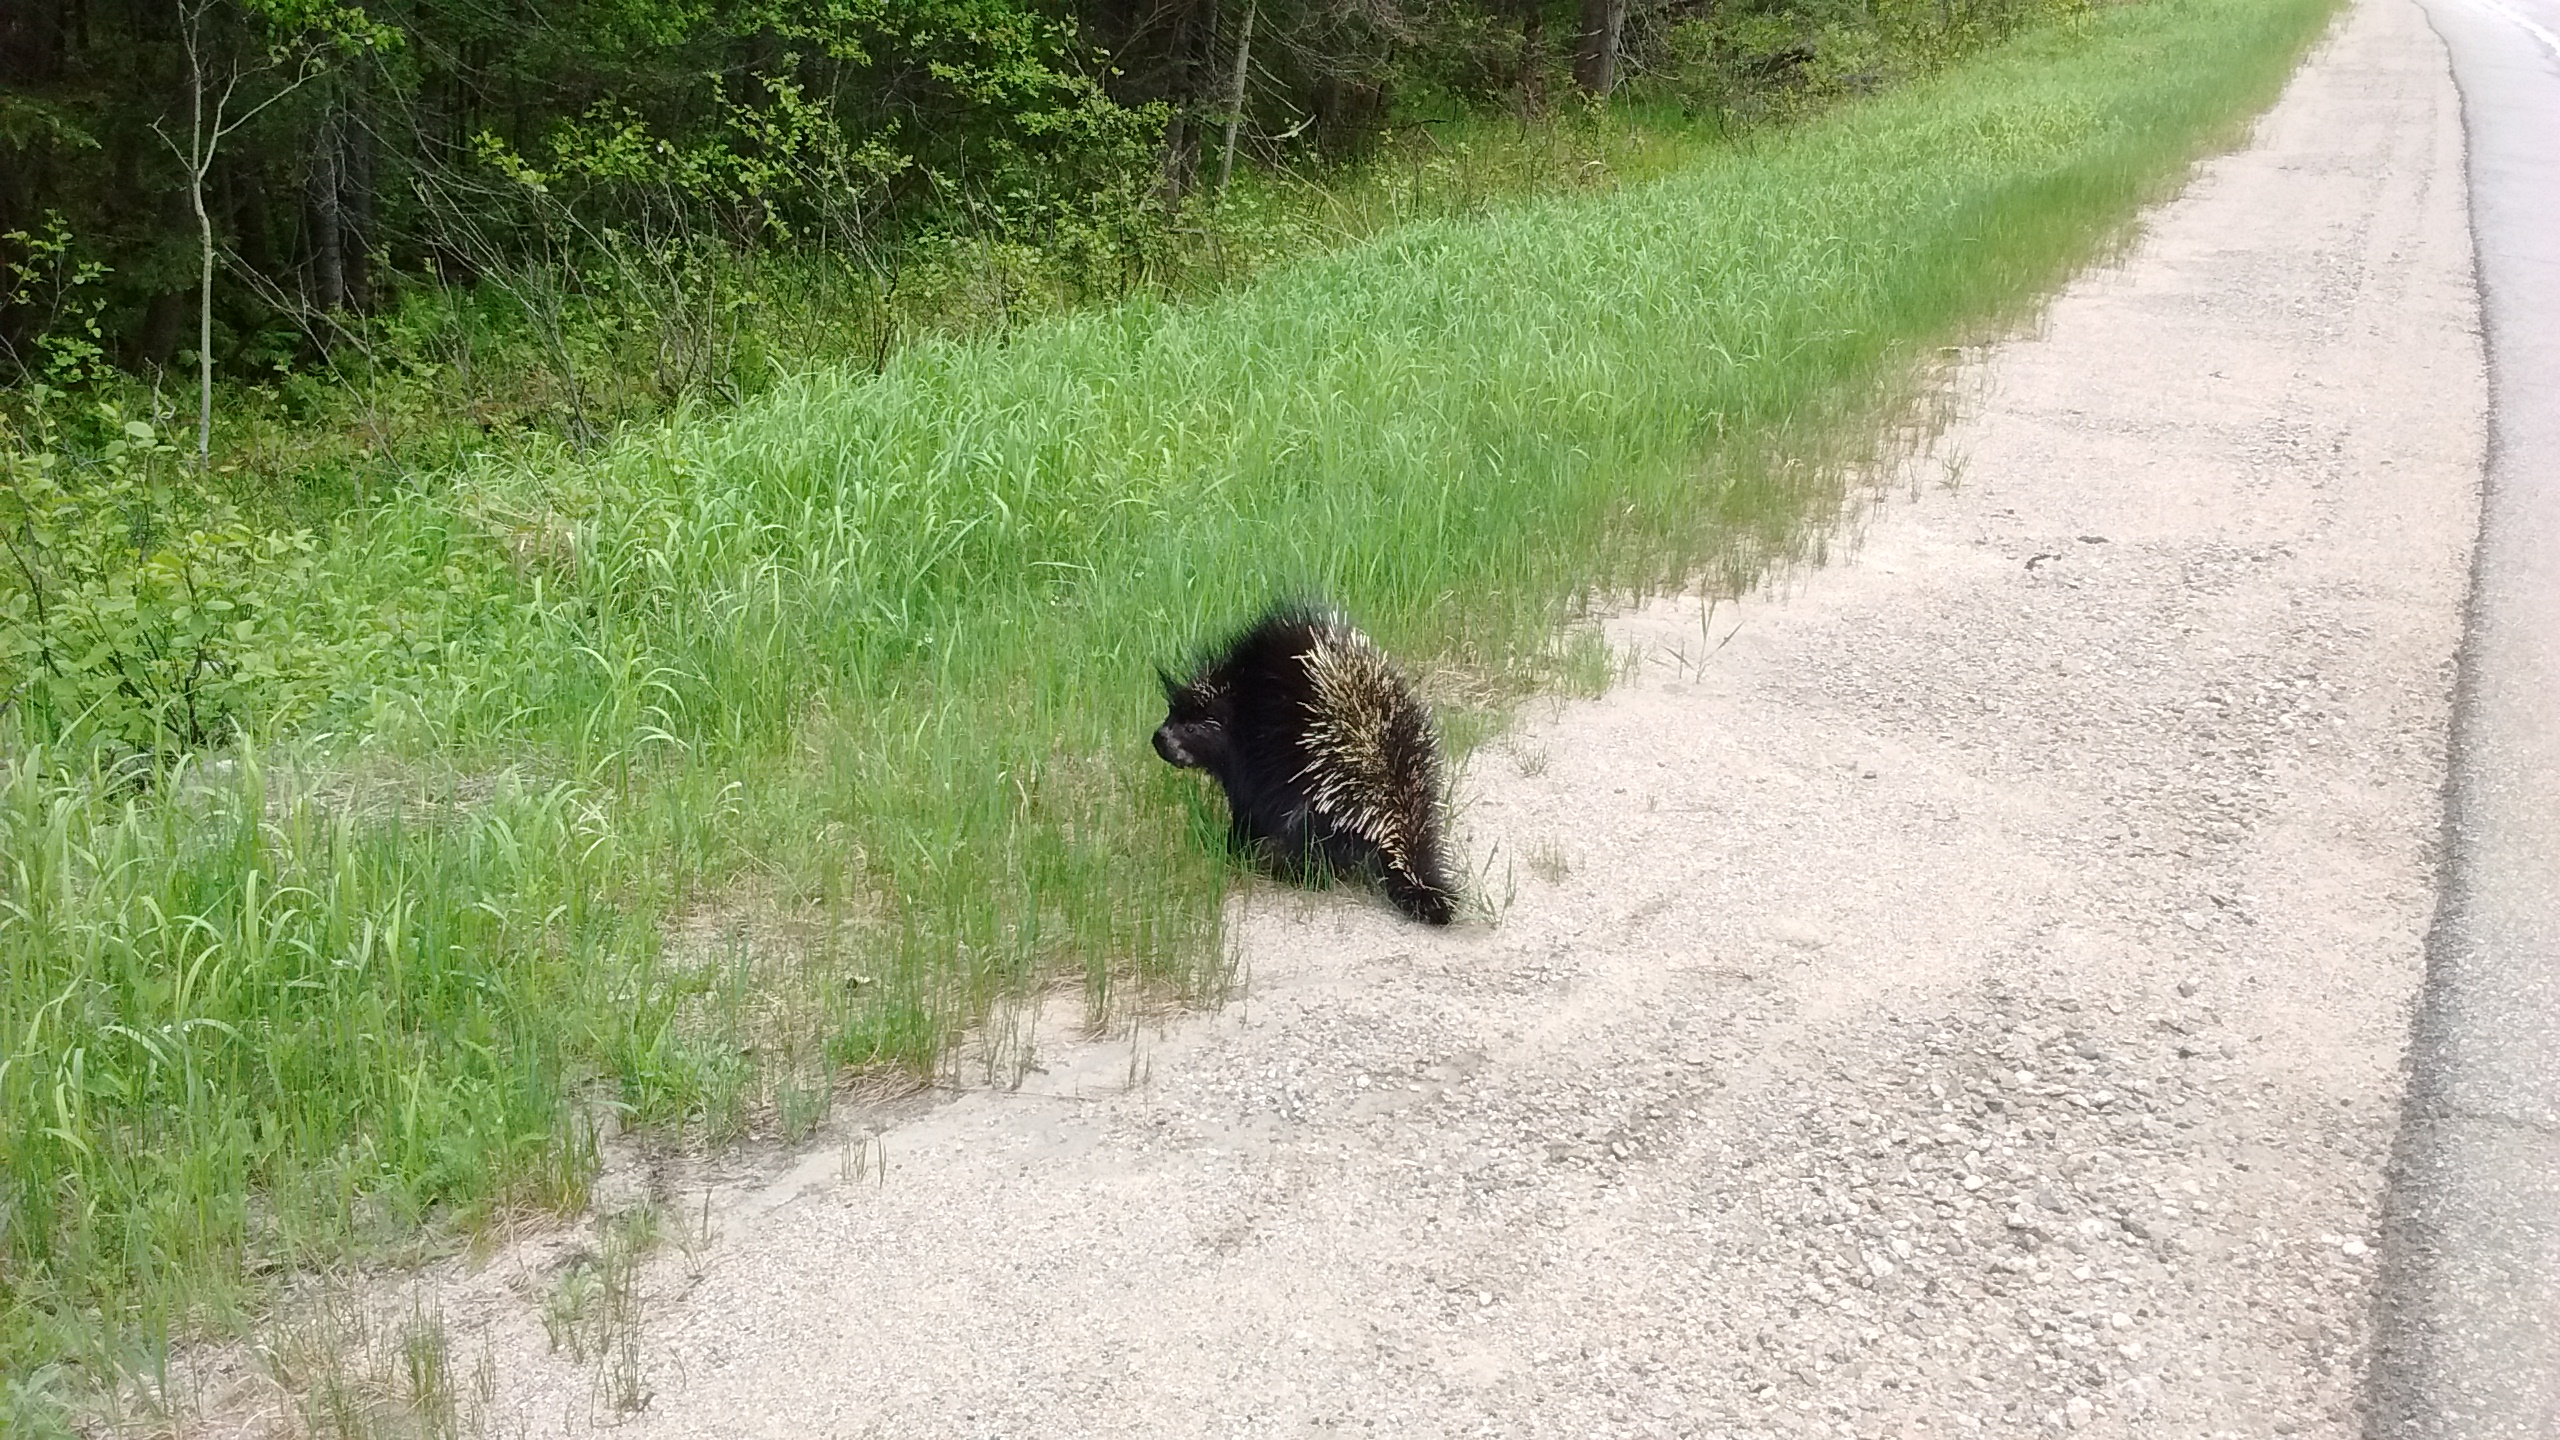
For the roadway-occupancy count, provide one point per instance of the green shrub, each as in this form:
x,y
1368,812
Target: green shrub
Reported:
x,y
133,612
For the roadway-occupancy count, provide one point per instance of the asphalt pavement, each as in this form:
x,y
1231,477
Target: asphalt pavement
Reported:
x,y
2468,1339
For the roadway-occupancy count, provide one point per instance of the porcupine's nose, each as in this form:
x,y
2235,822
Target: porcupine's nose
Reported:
x,y
1171,749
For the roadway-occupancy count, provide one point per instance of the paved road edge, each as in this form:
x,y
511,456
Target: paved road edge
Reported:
x,y
2467,1337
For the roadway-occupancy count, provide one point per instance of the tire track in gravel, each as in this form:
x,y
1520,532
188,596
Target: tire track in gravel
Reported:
x,y
1967,996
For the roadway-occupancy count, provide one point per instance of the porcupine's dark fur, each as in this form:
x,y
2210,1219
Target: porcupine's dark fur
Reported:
x,y
1327,758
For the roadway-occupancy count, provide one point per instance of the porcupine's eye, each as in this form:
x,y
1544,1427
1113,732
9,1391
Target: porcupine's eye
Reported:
x,y
1192,745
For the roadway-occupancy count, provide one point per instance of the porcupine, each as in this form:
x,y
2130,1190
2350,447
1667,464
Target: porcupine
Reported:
x,y
1327,758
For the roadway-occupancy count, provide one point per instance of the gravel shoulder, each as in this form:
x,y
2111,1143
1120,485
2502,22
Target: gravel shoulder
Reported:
x,y
1961,989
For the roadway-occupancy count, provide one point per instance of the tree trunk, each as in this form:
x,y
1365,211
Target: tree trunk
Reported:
x,y
1595,60
1177,159
162,322
200,146
355,210
1235,98
1533,59
204,335
1195,38
323,196
237,186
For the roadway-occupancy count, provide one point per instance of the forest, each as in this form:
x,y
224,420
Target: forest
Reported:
x,y
242,184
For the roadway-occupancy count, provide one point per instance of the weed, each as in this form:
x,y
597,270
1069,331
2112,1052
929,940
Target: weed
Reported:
x,y
695,1233
593,1311
346,1370
1548,861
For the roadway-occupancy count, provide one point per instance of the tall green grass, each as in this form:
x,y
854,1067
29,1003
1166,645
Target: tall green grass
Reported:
x,y
672,783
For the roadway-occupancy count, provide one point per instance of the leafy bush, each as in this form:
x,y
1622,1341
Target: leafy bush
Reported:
x,y
134,611
55,294
131,612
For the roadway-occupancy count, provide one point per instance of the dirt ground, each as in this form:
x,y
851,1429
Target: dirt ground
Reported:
x,y
1962,990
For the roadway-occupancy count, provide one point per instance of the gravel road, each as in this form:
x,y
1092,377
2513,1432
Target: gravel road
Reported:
x,y
1962,990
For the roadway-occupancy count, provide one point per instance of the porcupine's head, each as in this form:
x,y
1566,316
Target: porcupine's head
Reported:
x,y
1194,735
